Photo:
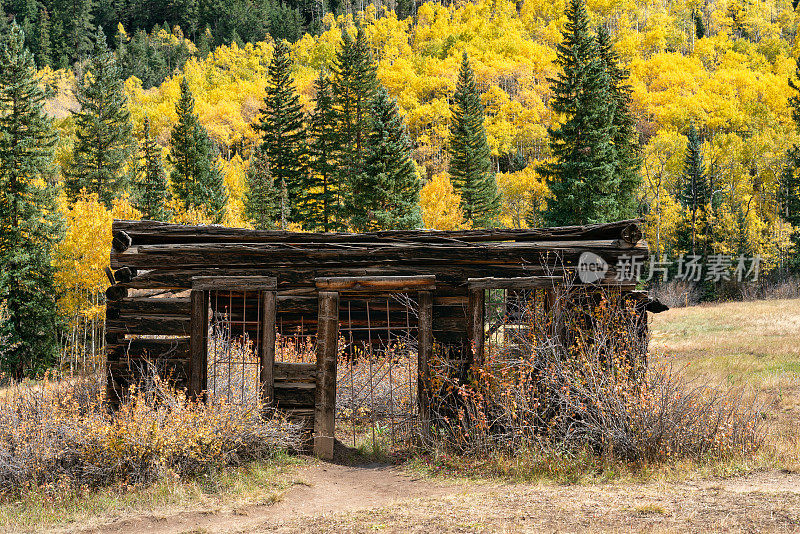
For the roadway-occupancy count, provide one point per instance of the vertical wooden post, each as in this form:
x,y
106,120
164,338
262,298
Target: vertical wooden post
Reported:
x,y
424,355
476,307
267,326
327,348
198,351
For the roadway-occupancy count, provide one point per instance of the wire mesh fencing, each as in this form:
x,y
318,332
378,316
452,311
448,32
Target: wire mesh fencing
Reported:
x,y
376,396
233,340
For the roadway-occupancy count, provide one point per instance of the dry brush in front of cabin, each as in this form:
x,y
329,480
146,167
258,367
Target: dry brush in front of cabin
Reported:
x,y
60,436
583,395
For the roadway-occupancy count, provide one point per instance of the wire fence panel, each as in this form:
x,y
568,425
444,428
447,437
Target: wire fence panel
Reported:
x,y
233,341
376,396
296,340
513,317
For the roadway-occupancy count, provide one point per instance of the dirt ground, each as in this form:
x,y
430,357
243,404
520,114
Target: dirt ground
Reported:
x,y
376,497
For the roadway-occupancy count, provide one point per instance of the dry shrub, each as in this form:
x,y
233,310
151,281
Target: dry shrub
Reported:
x,y
60,434
676,293
580,388
785,288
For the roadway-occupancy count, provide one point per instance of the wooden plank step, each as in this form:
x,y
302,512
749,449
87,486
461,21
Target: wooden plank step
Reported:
x,y
294,385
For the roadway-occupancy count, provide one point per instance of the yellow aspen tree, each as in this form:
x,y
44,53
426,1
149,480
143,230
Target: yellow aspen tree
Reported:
x,y
441,205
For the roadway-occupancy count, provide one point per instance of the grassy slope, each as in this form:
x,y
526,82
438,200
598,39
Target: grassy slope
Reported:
x,y
259,483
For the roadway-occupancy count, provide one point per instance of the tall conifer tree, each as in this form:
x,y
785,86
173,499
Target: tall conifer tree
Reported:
x,y
28,224
627,155
320,206
386,194
103,128
282,128
789,188
152,193
264,202
78,35
695,192
582,178
470,162
196,179
354,85
44,49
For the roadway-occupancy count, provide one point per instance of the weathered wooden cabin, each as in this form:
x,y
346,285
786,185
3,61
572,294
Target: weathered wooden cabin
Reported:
x,y
171,282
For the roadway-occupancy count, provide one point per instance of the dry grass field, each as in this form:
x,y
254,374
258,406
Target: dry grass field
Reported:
x,y
754,345
751,345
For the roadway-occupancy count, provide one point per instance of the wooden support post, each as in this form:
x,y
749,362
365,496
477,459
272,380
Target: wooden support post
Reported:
x,y
424,355
268,299
475,316
198,351
327,348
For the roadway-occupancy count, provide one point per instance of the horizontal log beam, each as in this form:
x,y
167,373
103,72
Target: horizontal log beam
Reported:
x,y
291,397
299,280
377,283
235,283
168,325
415,261
523,282
295,372
150,232
148,306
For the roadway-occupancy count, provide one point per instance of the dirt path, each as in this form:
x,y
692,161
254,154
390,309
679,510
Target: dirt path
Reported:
x,y
320,490
334,498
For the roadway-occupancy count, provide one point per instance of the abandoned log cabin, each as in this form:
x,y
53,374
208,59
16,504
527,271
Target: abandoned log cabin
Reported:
x,y
264,315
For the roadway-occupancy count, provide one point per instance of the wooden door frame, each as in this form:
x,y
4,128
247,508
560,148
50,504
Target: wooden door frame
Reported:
x,y
329,291
198,341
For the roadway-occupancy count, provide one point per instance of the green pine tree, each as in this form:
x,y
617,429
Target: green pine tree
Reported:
x,y
196,179
789,196
386,193
60,57
204,43
628,160
44,49
354,85
81,29
103,128
470,162
264,204
152,193
699,25
282,129
582,177
320,204
29,227
789,189
694,194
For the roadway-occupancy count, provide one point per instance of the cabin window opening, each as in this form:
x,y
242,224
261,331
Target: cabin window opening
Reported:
x,y
514,318
234,338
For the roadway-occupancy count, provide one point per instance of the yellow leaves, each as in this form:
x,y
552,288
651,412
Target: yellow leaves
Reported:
x,y
441,205
122,208
521,192
82,256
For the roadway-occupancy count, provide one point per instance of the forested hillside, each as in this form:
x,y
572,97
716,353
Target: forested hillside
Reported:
x,y
327,116
723,67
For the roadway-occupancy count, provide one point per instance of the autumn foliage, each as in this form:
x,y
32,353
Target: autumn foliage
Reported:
x,y
60,436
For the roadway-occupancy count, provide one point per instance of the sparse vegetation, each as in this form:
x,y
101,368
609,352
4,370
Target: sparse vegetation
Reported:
x,y
59,437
